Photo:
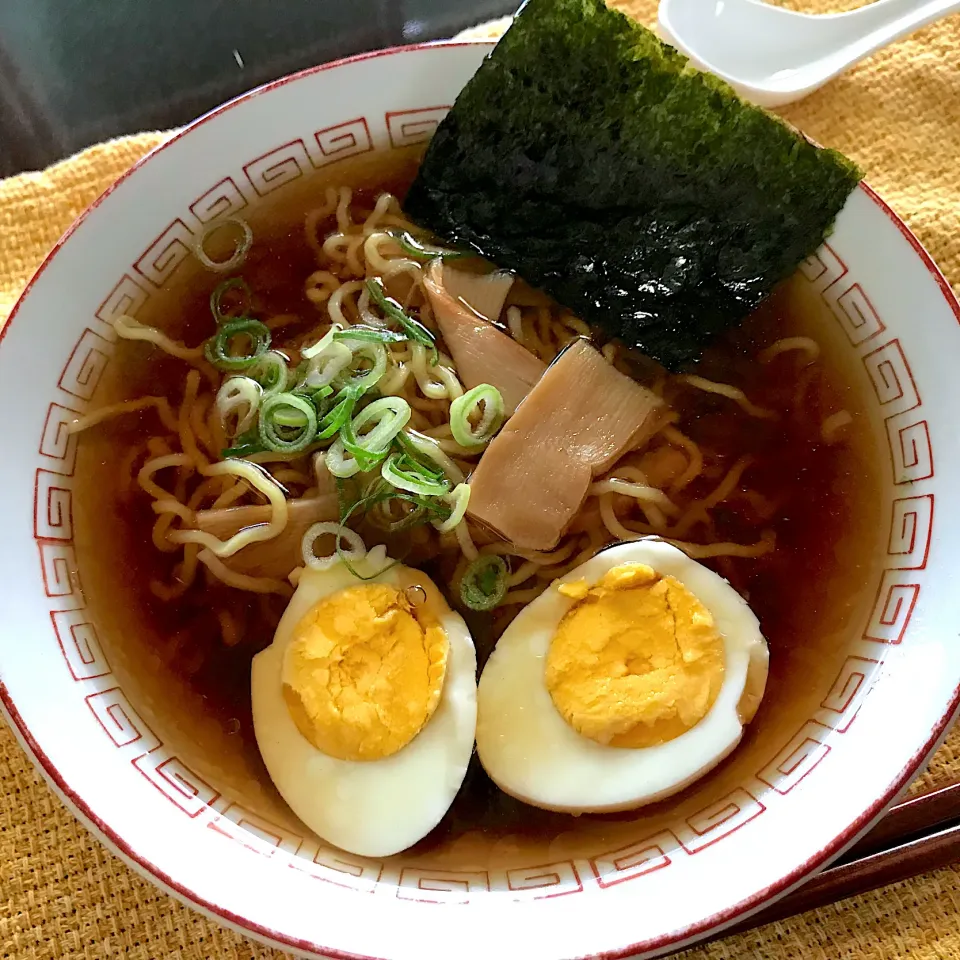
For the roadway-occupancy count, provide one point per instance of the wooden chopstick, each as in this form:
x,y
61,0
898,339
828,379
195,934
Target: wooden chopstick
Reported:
x,y
909,819
917,835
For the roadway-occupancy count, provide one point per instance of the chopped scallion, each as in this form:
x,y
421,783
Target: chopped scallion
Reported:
x,y
244,445
392,310
339,414
288,423
355,552
241,246
244,297
388,416
324,367
413,247
308,353
370,334
469,405
219,349
380,494
407,473
458,499
320,398
339,463
240,397
484,582
271,372
362,351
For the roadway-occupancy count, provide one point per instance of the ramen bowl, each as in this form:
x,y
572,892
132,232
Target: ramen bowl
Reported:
x,y
855,706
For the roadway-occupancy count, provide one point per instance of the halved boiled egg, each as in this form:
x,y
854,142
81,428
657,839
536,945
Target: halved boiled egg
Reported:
x,y
364,705
628,679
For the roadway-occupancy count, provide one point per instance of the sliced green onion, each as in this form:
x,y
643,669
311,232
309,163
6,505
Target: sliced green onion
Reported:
x,y
357,551
409,443
220,315
308,353
340,413
324,367
238,396
389,416
458,499
346,512
413,247
486,396
286,416
425,463
406,473
288,423
392,310
219,348
422,448
380,514
271,372
484,582
339,463
374,353
320,398
370,334
244,445
379,494
240,249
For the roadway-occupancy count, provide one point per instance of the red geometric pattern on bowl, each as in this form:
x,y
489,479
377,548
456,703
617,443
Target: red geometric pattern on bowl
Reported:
x,y
180,785
406,128
857,315
339,868
911,529
798,758
278,167
125,299
223,199
79,644
86,365
347,139
251,828
561,877
160,260
120,720
892,610
634,860
719,820
849,689
53,506
58,447
847,302
442,886
61,579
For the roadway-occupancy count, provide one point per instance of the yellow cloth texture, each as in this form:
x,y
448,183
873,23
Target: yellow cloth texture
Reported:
x,y
62,894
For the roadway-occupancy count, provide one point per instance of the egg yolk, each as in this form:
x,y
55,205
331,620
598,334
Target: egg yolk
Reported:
x,y
364,671
637,660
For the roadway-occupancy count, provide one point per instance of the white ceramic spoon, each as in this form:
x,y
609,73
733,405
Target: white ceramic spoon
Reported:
x,y
774,56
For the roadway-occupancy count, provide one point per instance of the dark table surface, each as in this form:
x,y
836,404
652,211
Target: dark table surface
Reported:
x,y
74,72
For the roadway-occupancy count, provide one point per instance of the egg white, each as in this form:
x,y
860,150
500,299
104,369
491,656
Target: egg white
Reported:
x,y
532,753
376,807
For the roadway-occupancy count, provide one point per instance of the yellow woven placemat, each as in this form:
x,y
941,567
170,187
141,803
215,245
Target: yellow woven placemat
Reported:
x,y
63,895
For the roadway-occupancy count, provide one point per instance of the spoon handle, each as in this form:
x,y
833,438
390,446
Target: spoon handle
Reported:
x,y
874,26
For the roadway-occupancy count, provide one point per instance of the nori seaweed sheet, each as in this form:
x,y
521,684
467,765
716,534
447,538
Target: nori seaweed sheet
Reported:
x,y
588,157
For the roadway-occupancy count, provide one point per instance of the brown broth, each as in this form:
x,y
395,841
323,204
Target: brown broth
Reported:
x,y
175,668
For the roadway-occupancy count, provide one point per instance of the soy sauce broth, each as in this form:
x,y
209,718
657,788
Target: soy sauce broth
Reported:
x,y
194,690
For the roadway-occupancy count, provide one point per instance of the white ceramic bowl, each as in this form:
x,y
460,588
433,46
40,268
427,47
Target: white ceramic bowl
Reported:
x,y
787,804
